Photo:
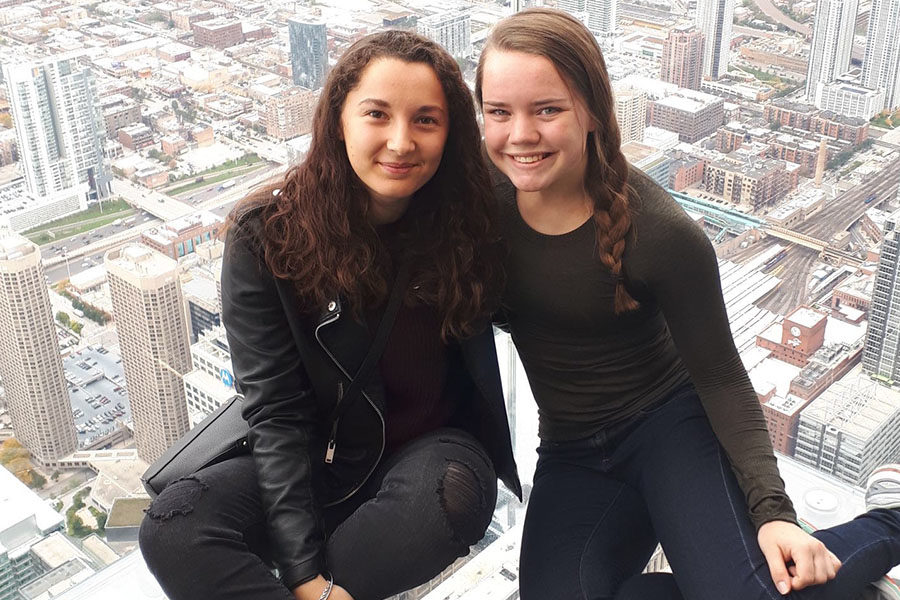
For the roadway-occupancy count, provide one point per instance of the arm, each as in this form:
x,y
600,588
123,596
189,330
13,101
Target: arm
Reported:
x,y
684,278
278,404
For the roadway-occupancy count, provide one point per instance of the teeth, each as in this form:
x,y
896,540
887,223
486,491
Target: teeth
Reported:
x,y
528,159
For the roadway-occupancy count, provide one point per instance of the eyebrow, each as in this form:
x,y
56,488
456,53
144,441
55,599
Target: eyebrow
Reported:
x,y
535,103
384,104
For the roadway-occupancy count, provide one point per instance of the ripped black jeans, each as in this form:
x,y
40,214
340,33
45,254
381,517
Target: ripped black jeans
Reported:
x,y
205,538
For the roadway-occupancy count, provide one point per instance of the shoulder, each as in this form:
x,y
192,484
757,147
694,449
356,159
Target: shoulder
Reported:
x,y
662,231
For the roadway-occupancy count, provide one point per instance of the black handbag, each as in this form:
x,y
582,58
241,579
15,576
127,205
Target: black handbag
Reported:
x,y
223,434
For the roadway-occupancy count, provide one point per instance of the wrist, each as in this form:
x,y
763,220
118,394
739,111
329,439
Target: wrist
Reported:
x,y
312,589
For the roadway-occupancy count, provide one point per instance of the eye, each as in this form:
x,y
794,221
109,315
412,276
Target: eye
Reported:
x,y
427,120
549,110
498,112
376,114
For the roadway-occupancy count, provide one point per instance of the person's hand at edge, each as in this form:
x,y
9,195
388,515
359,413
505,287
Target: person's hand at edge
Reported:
x,y
796,559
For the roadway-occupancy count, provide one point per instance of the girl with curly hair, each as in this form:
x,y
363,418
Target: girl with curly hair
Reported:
x,y
650,428
355,495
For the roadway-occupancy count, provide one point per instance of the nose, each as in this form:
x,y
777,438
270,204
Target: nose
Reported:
x,y
400,140
523,131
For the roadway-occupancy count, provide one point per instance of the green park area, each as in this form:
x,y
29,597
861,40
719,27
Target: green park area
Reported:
x,y
886,119
228,170
16,459
95,216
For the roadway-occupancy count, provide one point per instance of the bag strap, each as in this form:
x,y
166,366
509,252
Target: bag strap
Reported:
x,y
378,343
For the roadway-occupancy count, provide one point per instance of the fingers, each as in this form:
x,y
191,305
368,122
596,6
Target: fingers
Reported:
x,y
777,568
813,564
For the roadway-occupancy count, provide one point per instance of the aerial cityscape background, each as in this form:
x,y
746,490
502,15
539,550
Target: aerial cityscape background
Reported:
x,y
129,128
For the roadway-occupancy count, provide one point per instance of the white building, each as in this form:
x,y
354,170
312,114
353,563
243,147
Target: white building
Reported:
x,y
881,62
829,55
714,18
58,123
600,16
849,99
25,519
631,113
452,30
851,429
211,382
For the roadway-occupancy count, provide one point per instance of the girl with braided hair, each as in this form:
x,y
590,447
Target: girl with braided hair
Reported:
x,y
650,428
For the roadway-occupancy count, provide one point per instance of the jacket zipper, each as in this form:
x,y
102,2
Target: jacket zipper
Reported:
x,y
334,425
332,444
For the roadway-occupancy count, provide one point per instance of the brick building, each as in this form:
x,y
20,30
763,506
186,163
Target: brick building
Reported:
x,y
218,33
289,113
802,334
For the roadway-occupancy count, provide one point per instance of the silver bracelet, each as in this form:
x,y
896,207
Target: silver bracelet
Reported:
x,y
327,591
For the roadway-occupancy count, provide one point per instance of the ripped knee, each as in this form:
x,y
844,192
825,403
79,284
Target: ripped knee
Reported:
x,y
177,499
464,500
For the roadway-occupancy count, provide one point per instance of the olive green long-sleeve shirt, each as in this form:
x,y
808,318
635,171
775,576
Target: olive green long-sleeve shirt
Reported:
x,y
589,368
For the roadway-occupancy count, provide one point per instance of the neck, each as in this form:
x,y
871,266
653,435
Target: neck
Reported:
x,y
554,214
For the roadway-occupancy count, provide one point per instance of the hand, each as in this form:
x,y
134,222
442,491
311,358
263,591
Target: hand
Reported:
x,y
312,590
782,542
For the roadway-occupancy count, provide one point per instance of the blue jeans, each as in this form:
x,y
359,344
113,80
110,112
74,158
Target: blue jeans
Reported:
x,y
205,536
600,505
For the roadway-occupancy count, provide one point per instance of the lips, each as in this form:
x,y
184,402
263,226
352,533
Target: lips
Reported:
x,y
397,168
529,159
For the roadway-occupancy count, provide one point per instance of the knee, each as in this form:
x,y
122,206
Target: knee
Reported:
x,y
164,531
468,493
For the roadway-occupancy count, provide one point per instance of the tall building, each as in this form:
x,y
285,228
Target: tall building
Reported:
x,y
881,356
846,97
631,113
451,29
682,59
289,113
829,54
309,52
59,125
31,367
881,61
211,383
153,336
714,18
600,16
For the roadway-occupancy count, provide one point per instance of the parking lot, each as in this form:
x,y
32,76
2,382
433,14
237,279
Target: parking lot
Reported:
x,y
96,384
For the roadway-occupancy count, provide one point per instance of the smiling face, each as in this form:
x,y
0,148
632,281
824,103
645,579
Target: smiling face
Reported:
x,y
394,125
535,128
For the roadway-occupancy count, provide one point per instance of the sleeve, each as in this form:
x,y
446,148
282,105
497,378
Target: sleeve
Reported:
x,y
278,405
682,274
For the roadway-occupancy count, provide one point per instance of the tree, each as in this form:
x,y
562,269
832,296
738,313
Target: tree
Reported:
x,y
63,318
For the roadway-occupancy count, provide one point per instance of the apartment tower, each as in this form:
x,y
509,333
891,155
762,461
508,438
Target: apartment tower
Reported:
x,y
452,30
631,113
881,61
31,367
309,52
829,54
153,336
600,16
682,59
59,125
714,18
881,354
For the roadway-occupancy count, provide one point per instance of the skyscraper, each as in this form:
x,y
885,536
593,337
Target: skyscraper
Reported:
x,y
59,126
153,336
881,355
631,113
682,59
600,16
30,364
881,62
829,55
714,17
452,30
309,52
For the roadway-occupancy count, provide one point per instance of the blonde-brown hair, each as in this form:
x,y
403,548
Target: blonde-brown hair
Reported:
x,y
567,43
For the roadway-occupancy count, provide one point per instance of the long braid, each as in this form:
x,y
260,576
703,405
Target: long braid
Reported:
x,y
612,216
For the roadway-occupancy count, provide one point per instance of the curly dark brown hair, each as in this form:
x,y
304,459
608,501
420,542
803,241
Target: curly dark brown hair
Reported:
x,y
567,43
316,229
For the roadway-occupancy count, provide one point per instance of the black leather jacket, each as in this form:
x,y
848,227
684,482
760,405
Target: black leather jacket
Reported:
x,y
289,366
